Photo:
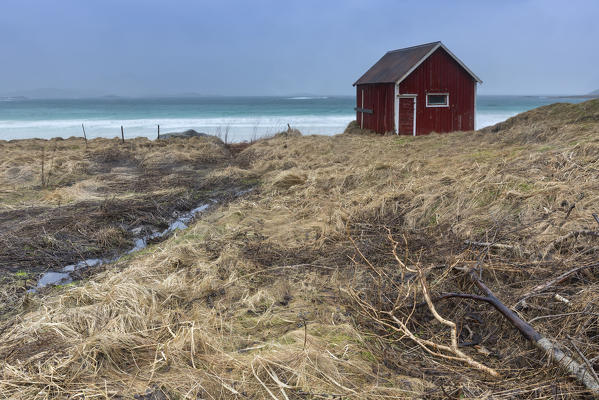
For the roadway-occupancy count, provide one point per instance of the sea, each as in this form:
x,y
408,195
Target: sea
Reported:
x,y
234,118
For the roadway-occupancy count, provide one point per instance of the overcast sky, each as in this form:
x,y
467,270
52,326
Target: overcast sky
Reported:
x,y
277,47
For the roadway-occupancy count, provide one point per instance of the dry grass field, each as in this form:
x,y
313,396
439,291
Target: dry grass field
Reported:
x,y
332,279
62,201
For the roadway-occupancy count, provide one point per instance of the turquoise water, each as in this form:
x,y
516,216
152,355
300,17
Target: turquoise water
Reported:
x,y
241,118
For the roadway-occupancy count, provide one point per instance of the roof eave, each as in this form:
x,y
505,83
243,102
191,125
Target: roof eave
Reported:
x,y
371,83
424,58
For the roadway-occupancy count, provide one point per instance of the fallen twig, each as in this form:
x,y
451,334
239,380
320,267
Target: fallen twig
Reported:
x,y
553,245
560,315
454,332
553,282
449,352
492,245
561,298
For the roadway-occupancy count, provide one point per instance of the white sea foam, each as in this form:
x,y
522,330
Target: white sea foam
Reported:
x,y
238,128
488,119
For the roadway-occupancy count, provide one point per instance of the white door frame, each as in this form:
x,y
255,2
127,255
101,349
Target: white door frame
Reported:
x,y
406,96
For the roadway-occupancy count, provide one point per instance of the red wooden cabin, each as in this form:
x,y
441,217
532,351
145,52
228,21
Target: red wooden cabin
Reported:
x,y
416,91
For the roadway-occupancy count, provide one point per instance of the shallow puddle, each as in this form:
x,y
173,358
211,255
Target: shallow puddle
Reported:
x,y
53,278
63,276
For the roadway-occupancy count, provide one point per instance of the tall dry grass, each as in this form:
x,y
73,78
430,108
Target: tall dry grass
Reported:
x,y
252,300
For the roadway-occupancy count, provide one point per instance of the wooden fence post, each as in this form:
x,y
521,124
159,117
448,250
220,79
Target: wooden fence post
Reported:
x,y
43,160
84,136
122,134
158,131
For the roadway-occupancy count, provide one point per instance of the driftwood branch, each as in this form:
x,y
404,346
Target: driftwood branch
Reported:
x,y
586,360
581,372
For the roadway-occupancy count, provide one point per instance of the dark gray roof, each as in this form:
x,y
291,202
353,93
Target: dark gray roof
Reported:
x,y
397,64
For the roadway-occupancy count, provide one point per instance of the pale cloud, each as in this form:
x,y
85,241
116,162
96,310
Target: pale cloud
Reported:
x,y
261,47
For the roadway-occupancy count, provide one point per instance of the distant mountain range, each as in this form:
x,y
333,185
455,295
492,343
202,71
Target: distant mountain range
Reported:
x,y
12,98
52,93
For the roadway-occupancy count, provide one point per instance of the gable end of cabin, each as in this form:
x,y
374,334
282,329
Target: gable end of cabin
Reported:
x,y
416,91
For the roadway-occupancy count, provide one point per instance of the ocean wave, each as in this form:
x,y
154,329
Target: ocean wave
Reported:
x,y
238,128
487,119
316,120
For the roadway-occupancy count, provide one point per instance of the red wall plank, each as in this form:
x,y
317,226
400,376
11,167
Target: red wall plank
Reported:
x,y
380,99
440,73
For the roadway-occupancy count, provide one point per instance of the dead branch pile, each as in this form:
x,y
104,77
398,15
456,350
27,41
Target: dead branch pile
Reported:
x,y
438,298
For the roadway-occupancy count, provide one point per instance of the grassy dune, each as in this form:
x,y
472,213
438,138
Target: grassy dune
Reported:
x,y
288,292
58,195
